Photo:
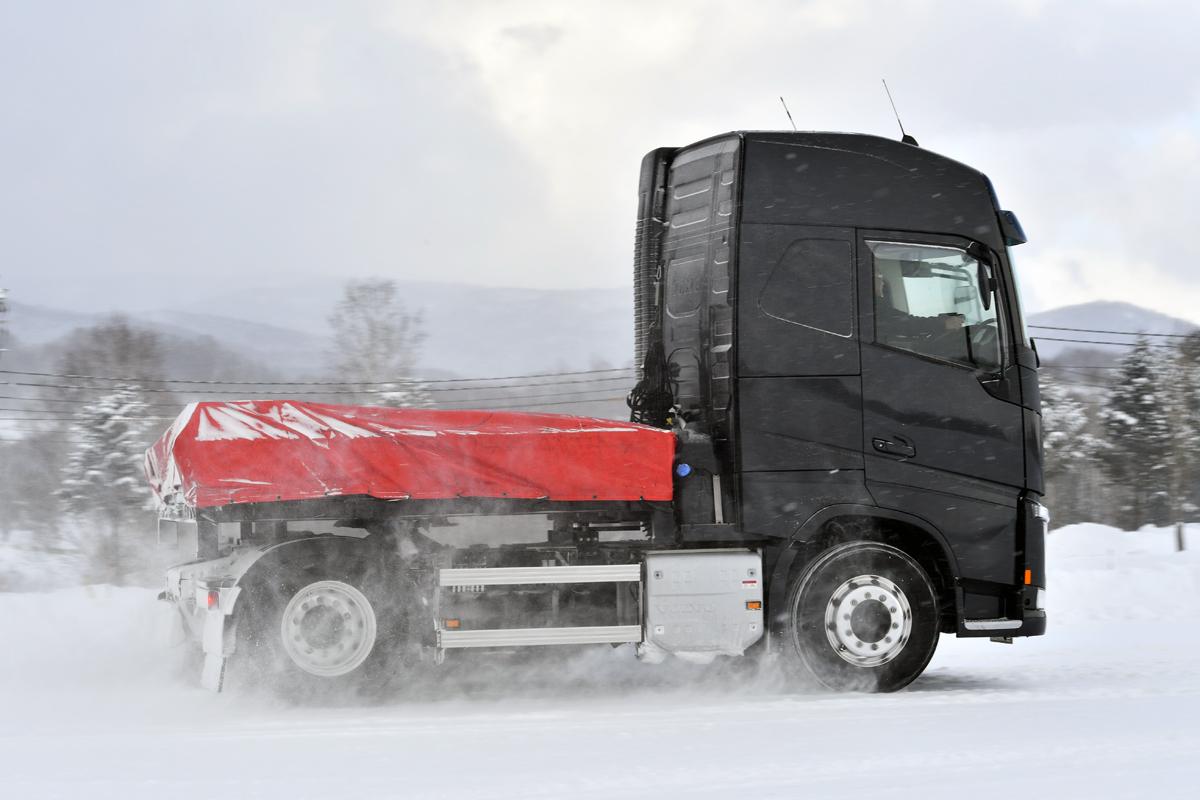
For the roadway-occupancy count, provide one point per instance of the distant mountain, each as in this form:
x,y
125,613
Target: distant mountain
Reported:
x,y
1100,315
471,330
37,333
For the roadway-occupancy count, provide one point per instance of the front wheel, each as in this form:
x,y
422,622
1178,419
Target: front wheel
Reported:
x,y
862,616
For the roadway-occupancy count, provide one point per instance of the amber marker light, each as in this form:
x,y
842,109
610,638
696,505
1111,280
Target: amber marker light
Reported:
x,y
754,605
453,624
1028,577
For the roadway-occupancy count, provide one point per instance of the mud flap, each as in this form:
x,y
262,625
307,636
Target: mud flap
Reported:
x,y
212,677
219,641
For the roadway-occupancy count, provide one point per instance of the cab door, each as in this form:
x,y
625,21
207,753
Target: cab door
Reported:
x,y
939,438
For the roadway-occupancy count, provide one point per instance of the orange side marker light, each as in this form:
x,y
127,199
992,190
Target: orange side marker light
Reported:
x,y
1028,577
754,605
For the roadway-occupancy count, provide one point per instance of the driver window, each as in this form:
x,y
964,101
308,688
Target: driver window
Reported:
x,y
928,300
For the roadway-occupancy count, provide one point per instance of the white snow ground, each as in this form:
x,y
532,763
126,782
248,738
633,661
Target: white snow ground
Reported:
x,y
1107,705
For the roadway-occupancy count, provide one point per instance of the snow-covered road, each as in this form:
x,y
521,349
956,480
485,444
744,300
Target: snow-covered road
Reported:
x,y
1106,705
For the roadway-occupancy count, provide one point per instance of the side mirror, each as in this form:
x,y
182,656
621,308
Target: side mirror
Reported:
x,y
986,286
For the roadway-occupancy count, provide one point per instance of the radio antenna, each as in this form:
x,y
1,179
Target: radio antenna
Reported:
x,y
904,137
785,110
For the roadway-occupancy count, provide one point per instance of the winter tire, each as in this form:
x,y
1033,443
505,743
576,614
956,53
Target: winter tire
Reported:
x,y
328,629
861,617
312,634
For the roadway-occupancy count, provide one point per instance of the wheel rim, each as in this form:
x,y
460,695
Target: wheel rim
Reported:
x,y
328,628
868,620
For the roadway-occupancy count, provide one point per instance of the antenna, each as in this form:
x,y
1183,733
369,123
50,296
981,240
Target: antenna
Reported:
x,y
904,137
785,110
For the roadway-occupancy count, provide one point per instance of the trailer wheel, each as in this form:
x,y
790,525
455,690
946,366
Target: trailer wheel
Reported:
x,y
861,617
309,634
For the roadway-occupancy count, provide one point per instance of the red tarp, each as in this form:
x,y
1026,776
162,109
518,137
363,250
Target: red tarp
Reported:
x,y
267,450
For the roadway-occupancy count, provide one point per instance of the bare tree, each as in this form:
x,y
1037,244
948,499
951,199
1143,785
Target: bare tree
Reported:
x,y
377,342
114,348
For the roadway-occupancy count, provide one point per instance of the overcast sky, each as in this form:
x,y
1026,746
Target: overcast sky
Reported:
x,y
149,149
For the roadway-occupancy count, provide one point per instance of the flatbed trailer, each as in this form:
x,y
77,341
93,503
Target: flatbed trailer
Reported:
x,y
834,456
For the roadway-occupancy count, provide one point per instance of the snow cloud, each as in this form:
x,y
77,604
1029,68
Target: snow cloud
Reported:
x,y
154,148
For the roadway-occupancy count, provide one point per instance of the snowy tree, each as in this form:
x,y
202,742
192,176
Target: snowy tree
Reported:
x,y
1185,418
377,342
1072,452
30,469
103,476
1138,444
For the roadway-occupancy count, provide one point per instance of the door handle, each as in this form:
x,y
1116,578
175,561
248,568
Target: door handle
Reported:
x,y
900,447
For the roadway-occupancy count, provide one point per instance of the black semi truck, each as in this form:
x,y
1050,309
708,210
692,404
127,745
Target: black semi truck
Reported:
x,y
829,335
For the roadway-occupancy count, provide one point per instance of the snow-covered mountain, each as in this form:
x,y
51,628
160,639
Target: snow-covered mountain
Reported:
x,y
1100,315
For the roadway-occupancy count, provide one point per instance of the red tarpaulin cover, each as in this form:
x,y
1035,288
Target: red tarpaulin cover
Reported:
x,y
266,450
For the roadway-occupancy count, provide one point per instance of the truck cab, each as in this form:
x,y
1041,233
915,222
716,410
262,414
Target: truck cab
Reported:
x,y
835,321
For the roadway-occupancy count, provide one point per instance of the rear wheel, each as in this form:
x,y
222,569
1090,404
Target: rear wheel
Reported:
x,y
328,629
861,617
311,634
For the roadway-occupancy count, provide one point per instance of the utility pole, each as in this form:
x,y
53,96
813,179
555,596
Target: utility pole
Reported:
x,y
1181,421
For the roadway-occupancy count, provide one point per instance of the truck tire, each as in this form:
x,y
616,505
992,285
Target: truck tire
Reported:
x,y
311,633
861,616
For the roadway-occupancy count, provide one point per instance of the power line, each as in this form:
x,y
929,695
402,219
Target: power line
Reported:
x,y
1116,333
397,381
184,394
75,401
1089,341
442,405
307,393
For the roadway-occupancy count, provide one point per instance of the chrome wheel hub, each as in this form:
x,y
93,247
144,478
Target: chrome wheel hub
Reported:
x,y
868,620
328,628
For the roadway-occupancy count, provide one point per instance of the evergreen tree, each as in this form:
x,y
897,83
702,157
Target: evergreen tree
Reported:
x,y
1186,420
103,477
1138,446
1072,451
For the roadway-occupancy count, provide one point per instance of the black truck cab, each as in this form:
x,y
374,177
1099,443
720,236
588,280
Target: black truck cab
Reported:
x,y
832,322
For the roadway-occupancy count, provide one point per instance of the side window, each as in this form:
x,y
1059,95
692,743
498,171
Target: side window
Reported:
x,y
928,300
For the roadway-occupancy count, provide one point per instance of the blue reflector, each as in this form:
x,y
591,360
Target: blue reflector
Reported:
x,y
683,470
